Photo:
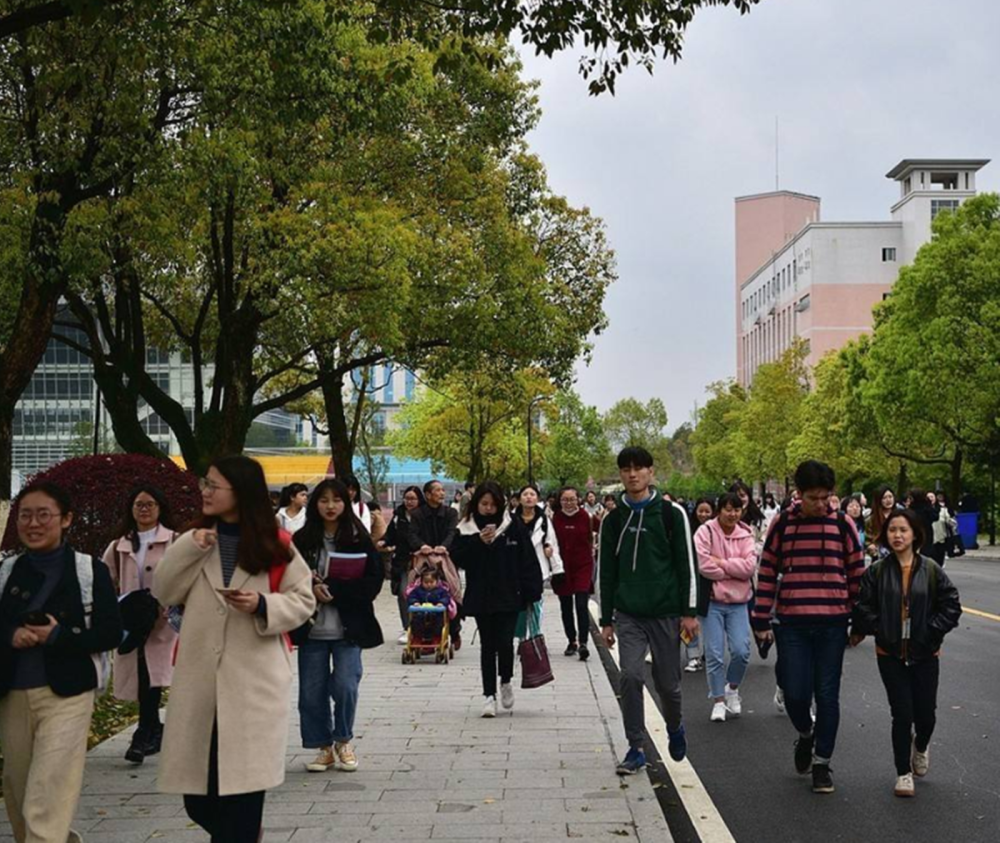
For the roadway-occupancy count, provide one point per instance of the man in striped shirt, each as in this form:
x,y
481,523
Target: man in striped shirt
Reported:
x,y
810,576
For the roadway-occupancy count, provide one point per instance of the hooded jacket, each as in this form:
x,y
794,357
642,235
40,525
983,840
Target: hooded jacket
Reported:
x,y
642,571
729,561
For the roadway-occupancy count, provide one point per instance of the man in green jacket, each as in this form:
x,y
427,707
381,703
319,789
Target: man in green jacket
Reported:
x,y
649,599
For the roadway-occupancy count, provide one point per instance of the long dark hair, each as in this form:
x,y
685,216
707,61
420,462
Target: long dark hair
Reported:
x,y
129,529
401,509
915,525
289,492
752,515
260,545
350,529
693,515
491,488
877,519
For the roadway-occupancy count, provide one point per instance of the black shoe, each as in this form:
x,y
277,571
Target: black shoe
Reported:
x,y
155,740
584,653
136,752
804,755
570,649
822,780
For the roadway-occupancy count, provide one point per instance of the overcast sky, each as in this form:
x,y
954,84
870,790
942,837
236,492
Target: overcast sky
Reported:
x,y
857,85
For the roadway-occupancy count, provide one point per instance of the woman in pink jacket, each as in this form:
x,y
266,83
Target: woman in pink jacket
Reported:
x,y
727,558
142,674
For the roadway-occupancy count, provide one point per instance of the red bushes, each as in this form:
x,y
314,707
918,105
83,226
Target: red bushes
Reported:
x,y
99,487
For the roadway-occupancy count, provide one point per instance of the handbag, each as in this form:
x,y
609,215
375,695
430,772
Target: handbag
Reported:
x,y
534,655
954,546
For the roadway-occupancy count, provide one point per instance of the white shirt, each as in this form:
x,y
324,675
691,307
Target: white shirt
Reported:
x,y
291,523
145,540
364,514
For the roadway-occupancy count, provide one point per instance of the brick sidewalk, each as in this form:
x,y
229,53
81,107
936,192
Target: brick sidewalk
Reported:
x,y
430,766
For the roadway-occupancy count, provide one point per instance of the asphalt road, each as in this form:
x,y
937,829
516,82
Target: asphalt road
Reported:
x,y
746,764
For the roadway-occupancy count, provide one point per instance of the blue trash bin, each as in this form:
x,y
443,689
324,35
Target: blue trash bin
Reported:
x,y
968,529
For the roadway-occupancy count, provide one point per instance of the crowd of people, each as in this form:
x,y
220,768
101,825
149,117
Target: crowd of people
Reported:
x,y
217,612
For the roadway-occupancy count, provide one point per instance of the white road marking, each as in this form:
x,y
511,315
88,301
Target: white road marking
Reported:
x,y
705,817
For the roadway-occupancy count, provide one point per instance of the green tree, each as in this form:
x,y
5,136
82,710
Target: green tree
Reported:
x,y
577,448
931,369
473,426
714,440
630,422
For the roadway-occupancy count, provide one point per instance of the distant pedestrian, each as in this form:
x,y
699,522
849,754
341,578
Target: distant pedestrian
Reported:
x,y
727,558
702,512
884,506
649,596
361,509
330,666
592,505
142,673
574,530
543,538
58,611
753,517
609,503
243,588
927,512
395,542
291,513
818,555
854,509
908,603
502,578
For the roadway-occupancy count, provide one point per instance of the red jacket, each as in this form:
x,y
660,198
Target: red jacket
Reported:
x,y
576,545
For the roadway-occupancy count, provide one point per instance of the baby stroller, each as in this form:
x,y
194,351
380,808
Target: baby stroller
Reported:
x,y
428,633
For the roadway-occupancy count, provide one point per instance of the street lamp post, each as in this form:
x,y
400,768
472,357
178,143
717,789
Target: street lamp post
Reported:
x,y
531,406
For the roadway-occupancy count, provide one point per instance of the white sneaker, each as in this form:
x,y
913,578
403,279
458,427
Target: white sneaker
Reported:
x,y
719,712
507,696
402,637
490,707
734,705
921,762
779,700
693,666
904,785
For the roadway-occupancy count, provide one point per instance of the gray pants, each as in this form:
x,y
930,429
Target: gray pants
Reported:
x,y
636,637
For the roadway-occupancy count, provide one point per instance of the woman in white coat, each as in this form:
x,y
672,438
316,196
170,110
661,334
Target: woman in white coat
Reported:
x,y
142,674
546,546
242,589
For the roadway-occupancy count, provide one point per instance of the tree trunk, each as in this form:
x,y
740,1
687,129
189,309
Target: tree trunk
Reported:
x,y
902,480
122,403
32,326
955,488
341,446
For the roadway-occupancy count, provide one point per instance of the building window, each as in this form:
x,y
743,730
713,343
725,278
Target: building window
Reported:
x,y
803,304
388,393
888,255
939,205
410,385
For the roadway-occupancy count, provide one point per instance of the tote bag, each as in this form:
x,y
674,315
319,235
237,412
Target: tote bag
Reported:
x,y
535,668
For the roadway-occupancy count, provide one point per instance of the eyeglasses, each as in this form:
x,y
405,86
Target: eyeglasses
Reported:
x,y
211,488
42,516
144,505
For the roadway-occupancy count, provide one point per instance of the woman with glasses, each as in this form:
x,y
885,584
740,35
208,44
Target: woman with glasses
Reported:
x,y
574,529
142,673
57,612
243,589
395,543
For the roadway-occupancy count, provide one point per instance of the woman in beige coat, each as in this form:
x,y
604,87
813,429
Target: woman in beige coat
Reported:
x,y
242,587
142,674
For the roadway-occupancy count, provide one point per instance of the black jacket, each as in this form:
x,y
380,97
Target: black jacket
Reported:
x,y
879,609
433,527
500,577
395,536
68,663
355,599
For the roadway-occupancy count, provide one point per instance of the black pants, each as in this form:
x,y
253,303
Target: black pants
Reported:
x,y
912,691
228,819
149,699
496,639
581,602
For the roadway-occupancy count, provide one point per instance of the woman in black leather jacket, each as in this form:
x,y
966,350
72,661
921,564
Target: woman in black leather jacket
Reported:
x,y
908,603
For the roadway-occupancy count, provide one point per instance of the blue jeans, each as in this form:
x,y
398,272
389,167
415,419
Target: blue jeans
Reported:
x,y
317,685
812,660
726,623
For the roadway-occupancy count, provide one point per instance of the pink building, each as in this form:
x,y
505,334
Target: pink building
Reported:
x,y
799,277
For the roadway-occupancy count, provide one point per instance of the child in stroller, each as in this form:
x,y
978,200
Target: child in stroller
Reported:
x,y
430,606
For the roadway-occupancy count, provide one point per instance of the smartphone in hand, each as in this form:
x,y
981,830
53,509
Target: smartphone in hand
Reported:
x,y
34,619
